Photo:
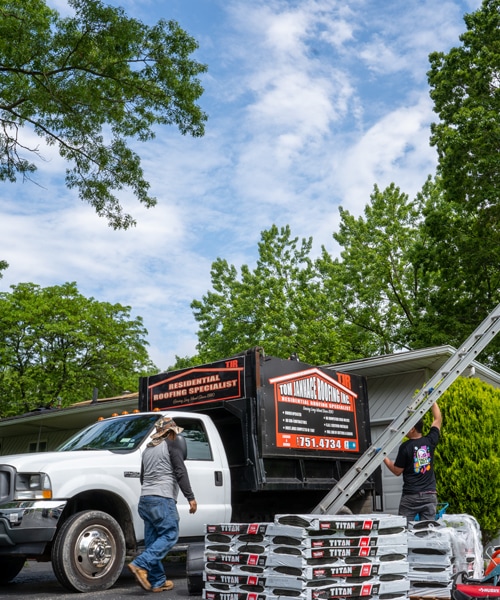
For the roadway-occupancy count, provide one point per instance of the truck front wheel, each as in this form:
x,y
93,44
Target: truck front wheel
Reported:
x,y
10,566
89,552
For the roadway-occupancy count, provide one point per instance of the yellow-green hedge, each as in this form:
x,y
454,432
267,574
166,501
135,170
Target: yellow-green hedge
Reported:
x,y
467,458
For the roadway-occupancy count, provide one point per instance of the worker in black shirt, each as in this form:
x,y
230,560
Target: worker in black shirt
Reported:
x,y
415,461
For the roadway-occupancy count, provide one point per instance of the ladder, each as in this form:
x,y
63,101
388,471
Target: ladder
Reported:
x,y
409,416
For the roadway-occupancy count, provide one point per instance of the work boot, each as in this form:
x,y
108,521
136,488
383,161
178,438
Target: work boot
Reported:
x,y
141,576
168,585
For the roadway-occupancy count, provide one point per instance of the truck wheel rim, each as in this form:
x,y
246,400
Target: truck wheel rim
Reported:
x,y
94,551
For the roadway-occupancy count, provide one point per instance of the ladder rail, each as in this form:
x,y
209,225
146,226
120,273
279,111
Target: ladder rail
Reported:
x,y
364,467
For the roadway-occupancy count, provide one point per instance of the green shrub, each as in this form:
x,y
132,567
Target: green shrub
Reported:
x,y
467,458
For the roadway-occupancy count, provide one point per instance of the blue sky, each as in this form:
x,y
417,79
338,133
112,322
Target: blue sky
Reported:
x,y
310,102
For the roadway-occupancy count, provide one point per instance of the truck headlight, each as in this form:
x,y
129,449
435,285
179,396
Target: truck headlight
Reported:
x,y
33,486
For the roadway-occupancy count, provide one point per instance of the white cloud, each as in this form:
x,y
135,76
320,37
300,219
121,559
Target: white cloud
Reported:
x,y
395,149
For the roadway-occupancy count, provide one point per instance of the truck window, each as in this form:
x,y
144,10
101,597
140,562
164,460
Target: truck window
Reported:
x,y
198,447
121,434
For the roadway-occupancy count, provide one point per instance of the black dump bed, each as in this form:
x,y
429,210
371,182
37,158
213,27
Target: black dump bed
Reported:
x,y
286,425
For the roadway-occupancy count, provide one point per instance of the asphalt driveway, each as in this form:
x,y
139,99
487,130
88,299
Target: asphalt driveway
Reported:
x,y
37,582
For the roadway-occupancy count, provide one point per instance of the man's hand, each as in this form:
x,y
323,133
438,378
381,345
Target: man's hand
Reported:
x,y
436,415
192,507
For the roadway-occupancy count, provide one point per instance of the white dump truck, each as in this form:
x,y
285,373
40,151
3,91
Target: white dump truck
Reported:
x,y
262,435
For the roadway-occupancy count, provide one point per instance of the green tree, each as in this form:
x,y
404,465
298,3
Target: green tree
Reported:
x,y
3,265
278,306
378,297
377,284
464,224
183,362
87,84
56,346
467,461
465,85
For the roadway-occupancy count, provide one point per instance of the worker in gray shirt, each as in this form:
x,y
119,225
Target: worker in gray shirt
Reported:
x,y
163,473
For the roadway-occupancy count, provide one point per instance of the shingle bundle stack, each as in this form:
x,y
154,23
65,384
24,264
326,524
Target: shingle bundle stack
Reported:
x,y
430,560
437,550
308,557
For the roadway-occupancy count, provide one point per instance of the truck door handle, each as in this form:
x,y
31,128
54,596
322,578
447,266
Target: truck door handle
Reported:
x,y
218,478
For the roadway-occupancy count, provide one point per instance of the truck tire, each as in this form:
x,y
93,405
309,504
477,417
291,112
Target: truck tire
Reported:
x,y
10,566
89,552
194,568
344,510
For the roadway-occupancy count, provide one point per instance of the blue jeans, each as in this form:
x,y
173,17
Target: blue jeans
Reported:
x,y
161,532
423,504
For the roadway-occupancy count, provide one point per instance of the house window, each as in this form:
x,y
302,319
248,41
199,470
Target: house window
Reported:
x,y
38,446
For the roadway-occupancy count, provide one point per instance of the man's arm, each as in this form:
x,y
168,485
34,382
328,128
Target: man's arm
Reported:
x,y
181,475
392,467
436,413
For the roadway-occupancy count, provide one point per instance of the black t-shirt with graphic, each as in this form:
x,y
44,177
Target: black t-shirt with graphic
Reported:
x,y
416,457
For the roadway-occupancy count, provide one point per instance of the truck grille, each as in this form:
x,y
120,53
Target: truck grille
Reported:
x,y
7,482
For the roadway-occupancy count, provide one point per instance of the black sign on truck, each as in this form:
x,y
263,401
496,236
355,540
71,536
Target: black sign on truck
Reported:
x,y
219,381
314,412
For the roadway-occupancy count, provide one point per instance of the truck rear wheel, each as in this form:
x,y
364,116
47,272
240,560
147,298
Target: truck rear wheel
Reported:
x,y
344,510
10,566
194,568
89,552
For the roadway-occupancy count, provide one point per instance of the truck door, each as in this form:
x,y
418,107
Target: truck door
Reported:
x,y
209,475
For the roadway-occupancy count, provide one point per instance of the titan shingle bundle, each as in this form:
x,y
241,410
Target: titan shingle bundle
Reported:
x,y
308,557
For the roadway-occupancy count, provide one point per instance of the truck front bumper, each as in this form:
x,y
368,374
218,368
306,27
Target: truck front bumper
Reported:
x,y
27,526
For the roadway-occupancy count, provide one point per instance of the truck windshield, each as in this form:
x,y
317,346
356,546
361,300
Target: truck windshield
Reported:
x,y
117,434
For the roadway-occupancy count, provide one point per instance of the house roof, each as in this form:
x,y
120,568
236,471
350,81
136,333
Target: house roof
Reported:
x,y
393,379
431,359
62,419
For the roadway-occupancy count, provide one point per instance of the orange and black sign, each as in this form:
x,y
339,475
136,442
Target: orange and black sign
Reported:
x,y
198,385
314,412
